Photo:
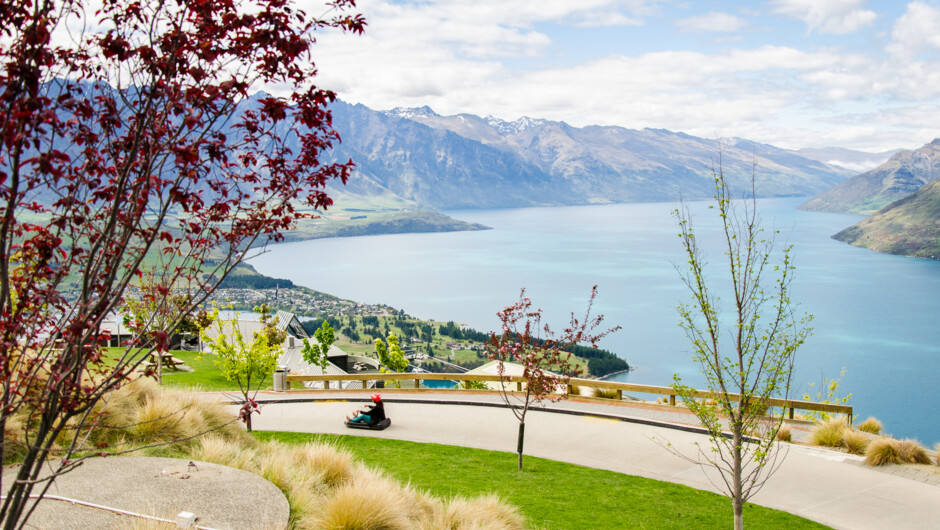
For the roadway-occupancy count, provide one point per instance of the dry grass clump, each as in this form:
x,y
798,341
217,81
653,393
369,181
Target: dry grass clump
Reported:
x,y
784,433
486,512
911,452
855,442
871,426
605,393
368,501
139,414
936,450
147,414
882,451
892,451
830,433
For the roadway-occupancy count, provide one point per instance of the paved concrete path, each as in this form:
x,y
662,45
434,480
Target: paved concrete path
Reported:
x,y
822,485
221,497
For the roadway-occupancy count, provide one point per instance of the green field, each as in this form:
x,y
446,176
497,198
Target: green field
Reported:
x,y
550,494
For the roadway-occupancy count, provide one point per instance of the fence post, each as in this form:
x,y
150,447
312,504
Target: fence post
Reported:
x,y
519,386
326,384
570,390
672,399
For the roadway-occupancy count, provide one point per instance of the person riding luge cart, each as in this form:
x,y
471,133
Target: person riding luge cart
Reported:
x,y
373,417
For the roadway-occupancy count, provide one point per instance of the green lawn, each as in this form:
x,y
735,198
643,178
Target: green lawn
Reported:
x,y
551,494
205,376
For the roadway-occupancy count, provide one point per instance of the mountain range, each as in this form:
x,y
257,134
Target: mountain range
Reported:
x,y
465,161
903,174
904,194
908,227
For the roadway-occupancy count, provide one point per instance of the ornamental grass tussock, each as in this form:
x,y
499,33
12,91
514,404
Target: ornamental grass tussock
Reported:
x,y
882,451
911,452
829,433
605,393
785,433
856,442
487,512
871,426
886,450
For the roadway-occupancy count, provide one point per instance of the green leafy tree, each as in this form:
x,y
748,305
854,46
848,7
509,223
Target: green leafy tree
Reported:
x,y
751,361
247,361
318,352
391,355
826,394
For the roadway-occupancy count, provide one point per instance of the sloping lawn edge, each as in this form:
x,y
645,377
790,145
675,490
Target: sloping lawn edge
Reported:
x,y
550,494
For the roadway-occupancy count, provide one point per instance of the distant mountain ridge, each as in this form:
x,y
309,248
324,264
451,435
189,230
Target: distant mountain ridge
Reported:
x,y
858,161
908,227
903,174
467,161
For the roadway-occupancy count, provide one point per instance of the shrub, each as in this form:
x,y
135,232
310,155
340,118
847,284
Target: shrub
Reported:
x,y
486,512
826,394
911,452
871,425
936,450
368,501
605,393
882,451
784,434
829,433
855,442
574,390
473,385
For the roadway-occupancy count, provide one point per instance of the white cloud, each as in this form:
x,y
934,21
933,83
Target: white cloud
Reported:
x,y
916,31
601,19
453,57
719,22
827,16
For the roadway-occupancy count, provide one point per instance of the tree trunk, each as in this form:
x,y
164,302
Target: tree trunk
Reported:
x,y
519,444
737,502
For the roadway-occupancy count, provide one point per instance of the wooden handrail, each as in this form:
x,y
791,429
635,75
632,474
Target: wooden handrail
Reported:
x,y
790,404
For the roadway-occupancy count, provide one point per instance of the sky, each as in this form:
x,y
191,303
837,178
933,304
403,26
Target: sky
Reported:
x,y
859,74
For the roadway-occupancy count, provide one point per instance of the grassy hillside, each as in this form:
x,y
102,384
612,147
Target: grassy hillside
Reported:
x,y
908,227
902,175
368,221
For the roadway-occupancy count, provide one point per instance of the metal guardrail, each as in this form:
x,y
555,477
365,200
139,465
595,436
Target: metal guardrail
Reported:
x,y
789,405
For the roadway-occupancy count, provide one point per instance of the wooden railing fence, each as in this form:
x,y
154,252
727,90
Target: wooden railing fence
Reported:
x,y
789,405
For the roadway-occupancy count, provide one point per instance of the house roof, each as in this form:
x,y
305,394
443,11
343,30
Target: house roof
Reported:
x,y
285,321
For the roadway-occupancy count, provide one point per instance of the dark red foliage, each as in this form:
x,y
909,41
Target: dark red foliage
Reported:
x,y
128,141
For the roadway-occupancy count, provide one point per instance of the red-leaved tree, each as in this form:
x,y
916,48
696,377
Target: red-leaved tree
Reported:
x,y
125,133
540,353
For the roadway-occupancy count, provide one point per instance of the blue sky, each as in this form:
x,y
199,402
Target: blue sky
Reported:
x,y
859,74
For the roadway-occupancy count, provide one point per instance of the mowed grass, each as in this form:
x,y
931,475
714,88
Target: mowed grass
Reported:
x,y
206,376
550,494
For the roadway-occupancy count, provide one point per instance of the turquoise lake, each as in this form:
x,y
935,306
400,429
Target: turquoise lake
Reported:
x,y
875,314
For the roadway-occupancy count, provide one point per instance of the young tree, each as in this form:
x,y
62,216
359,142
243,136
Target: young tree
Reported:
x,y
158,308
391,355
132,137
318,352
246,363
750,362
545,365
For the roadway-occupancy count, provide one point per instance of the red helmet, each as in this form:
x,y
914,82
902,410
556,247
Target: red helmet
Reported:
x,y
376,398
